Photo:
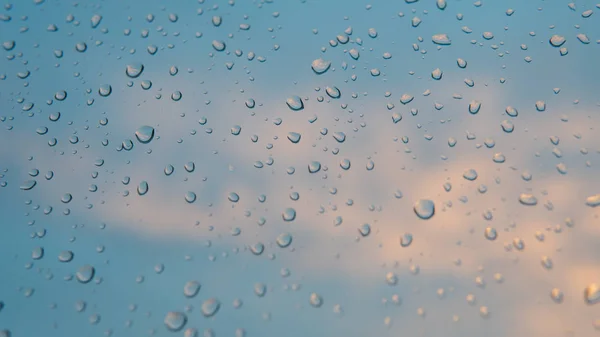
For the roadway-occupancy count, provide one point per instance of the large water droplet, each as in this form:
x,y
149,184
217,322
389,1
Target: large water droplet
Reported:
x,y
142,188
175,321
441,39
314,167
591,294
294,137
424,208
85,273
144,134
191,289
210,307
557,40
593,200
284,240
527,199
320,66
289,214
134,70
295,103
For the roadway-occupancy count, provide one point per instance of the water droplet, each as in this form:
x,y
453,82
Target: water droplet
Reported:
x,y
527,199
191,289
406,239
470,174
295,103
144,134
81,47
260,289
437,74
218,45
175,321
441,39
490,233
512,112
37,253
233,197
424,209
557,40
406,98
95,21
65,256
540,106
557,295
333,92
365,230
339,136
28,184
391,278
289,214
314,167
518,243
105,90
507,126
85,273
142,188
210,307
257,248
320,66
591,294
546,262
315,300
474,107
294,137
593,200
284,240
190,197
134,70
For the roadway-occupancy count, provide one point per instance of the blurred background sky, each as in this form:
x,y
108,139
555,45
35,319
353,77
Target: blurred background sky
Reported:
x,y
451,280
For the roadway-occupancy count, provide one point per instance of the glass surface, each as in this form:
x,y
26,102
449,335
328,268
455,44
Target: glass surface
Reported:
x,y
299,168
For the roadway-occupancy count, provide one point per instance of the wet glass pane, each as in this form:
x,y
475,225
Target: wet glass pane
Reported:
x,y
299,168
